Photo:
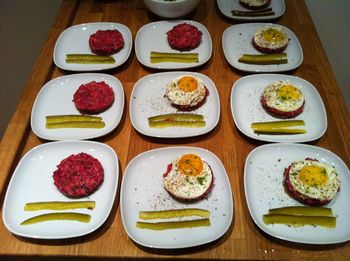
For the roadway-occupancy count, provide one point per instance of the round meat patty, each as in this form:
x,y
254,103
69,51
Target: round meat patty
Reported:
x,y
255,4
184,37
270,39
106,42
79,175
93,97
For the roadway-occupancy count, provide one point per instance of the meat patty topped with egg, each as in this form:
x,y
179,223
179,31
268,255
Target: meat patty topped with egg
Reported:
x,y
311,182
283,99
270,39
255,4
188,178
186,92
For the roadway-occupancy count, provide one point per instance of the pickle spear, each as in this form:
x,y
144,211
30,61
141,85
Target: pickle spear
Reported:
x,y
264,59
59,205
173,224
262,12
76,124
175,55
89,59
277,124
159,57
68,118
173,213
302,211
166,124
278,131
176,117
298,221
58,216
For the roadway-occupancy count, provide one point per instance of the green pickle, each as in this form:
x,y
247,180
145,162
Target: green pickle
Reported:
x,y
167,124
58,216
298,221
76,124
302,210
59,205
89,59
174,224
159,57
262,12
278,131
71,117
264,59
173,213
176,120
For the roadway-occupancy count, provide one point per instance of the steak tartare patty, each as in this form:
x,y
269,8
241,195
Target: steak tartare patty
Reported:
x,y
270,39
311,182
79,175
188,178
282,99
255,4
93,97
106,42
186,92
184,37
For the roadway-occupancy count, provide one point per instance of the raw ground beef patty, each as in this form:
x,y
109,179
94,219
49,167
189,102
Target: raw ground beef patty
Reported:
x,y
79,175
184,37
106,42
93,97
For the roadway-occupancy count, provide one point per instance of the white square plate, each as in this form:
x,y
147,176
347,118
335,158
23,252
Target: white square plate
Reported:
x,y
56,98
75,39
263,176
147,99
153,37
32,182
142,190
246,107
237,40
226,6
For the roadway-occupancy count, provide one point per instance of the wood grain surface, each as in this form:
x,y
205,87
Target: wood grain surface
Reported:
x,y
243,240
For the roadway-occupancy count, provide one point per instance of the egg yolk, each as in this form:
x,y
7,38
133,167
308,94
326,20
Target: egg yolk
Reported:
x,y
288,92
188,84
273,35
190,165
313,176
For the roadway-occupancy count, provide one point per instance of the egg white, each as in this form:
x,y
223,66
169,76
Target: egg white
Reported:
x,y
326,191
273,100
260,40
187,187
180,97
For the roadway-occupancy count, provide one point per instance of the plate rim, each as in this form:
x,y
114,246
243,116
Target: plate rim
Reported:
x,y
225,174
107,67
249,203
77,75
285,76
261,71
177,21
169,73
52,144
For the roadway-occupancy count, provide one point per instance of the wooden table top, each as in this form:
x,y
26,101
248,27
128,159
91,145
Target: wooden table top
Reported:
x,y
243,240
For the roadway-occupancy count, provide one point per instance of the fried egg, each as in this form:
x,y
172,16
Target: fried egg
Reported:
x,y
314,179
186,90
188,178
270,39
283,96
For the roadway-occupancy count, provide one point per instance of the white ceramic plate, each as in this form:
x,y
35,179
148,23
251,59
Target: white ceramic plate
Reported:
x,y
153,37
32,182
246,107
56,98
147,99
237,40
142,189
263,175
226,6
75,39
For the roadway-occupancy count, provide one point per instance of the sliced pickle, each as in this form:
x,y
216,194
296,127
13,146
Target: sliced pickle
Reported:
x,y
174,224
58,216
262,12
173,59
278,131
298,221
59,205
173,213
68,118
264,59
177,117
277,124
167,124
175,55
92,57
302,211
76,124
83,61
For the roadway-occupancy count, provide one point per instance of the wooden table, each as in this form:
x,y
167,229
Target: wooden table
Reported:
x,y
243,240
